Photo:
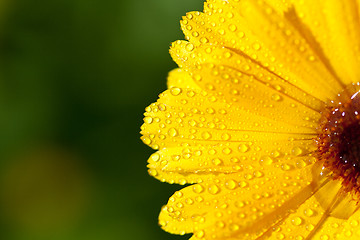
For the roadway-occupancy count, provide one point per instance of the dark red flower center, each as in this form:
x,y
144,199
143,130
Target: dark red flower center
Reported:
x,y
338,141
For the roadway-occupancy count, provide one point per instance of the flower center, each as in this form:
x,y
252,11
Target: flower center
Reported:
x,y
338,141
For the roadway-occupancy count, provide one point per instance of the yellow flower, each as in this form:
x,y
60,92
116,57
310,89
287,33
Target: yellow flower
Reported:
x,y
261,117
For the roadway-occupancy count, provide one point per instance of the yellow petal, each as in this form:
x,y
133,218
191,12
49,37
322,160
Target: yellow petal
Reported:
x,y
237,204
182,115
351,228
228,73
258,31
200,163
181,79
317,221
200,137
335,27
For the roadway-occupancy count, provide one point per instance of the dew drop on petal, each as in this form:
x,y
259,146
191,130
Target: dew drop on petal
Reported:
x,y
231,184
225,137
354,223
348,233
256,46
220,224
296,151
182,181
309,212
276,97
217,161
146,140
232,27
324,237
148,120
197,188
155,157
296,221
310,227
175,91
233,227
178,194
153,172
214,189
265,161
206,135
280,236
243,148
173,132
200,234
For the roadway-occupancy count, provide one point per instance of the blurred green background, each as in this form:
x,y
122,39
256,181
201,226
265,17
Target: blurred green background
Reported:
x,y
75,77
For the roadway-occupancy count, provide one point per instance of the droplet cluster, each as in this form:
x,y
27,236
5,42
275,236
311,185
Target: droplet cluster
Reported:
x,y
228,205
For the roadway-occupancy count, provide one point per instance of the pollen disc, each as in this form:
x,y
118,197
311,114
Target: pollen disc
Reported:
x,y
338,140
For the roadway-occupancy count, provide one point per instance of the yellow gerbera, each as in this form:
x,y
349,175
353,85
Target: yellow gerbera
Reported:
x,y
262,117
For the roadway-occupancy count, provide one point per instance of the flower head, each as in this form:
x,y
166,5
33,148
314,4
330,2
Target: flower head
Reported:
x,y
262,119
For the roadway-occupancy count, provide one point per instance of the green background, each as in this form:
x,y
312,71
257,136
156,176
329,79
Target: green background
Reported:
x,y
75,78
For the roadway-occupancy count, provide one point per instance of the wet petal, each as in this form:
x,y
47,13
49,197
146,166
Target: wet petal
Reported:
x,y
180,79
238,204
335,27
256,30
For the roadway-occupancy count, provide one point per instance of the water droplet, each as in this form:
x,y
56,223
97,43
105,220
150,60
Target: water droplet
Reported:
x,y
324,237
204,40
233,227
280,236
275,154
189,16
348,233
276,97
239,204
225,136
296,221
153,172
161,107
300,163
217,161
309,212
310,227
354,223
175,91
214,189
227,151
243,184
191,94
206,135
311,58
148,120
258,174
200,234
243,148
155,157
182,181
173,132
162,223
285,167
146,140
189,201
265,161
231,184
180,205
296,151
220,224
178,194
256,46
232,27
197,188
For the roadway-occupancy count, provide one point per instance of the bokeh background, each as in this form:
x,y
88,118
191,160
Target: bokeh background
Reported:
x,y
75,77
